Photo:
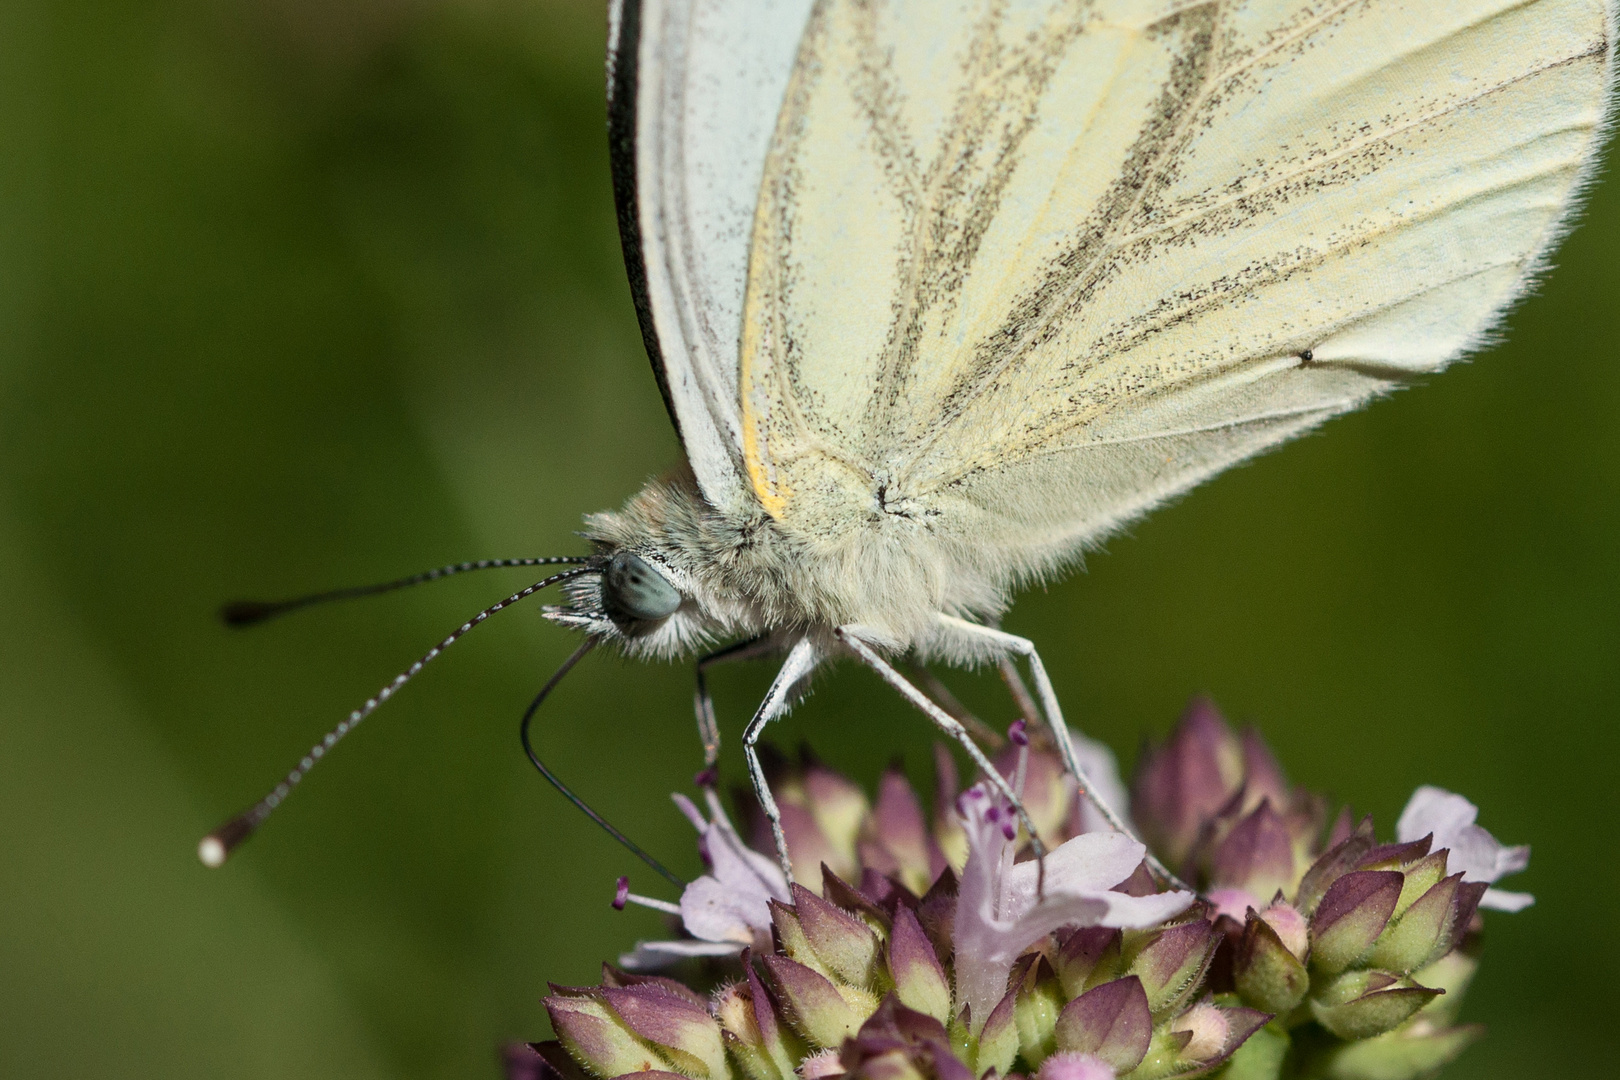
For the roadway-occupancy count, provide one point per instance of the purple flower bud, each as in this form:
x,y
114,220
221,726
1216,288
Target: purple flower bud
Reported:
x,y
790,935
1187,780
885,892
1266,972
1017,734
1087,957
540,1061
1351,916
844,944
1213,1033
890,1065
919,979
1290,927
687,1034
808,846
817,1007
1207,1027
896,840
936,911
1263,778
1395,856
1337,861
1421,933
621,893
898,1043
1232,902
1000,1038
596,1037
776,1050
1420,877
1037,1001
822,813
706,778
520,1061
1471,896
838,806
1112,1021
734,1008
1362,1004
613,977
1257,856
1172,964
869,909
1343,825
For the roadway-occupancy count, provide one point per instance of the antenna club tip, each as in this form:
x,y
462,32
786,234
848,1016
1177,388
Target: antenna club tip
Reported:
x,y
211,852
216,847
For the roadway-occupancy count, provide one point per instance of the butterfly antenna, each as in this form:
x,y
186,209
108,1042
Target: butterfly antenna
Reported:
x,y
217,846
252,612
556,782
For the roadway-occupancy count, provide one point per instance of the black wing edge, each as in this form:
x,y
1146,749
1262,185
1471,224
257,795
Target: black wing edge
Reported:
x,y
623,62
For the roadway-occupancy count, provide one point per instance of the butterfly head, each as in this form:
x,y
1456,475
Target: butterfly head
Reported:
x,y
636,597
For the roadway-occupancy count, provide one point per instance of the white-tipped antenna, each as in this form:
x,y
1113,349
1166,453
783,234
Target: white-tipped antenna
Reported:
x,y
217,846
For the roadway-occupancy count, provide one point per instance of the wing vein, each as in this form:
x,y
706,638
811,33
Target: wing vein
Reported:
x,y
1010,356
941,248
1093,270
1388,373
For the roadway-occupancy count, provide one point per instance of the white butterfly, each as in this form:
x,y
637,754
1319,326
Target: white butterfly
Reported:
x,y
941,292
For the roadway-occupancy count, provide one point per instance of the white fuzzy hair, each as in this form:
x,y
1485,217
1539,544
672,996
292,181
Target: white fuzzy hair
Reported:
x,y
745,576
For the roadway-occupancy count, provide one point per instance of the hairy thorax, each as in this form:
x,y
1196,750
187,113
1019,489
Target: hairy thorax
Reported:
x,y
744,575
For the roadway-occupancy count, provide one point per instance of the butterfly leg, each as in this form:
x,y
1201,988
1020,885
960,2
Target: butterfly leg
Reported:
x,y
801,660
708,726
1020,693
945,722
1012,643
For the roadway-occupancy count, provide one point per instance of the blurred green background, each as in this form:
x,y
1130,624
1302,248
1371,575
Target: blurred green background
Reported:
x,y
302,293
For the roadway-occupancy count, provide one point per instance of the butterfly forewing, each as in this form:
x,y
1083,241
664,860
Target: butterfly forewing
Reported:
x,y
698,87
1021,270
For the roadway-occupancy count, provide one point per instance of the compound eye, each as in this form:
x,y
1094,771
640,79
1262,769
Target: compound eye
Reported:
x,y
634,590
